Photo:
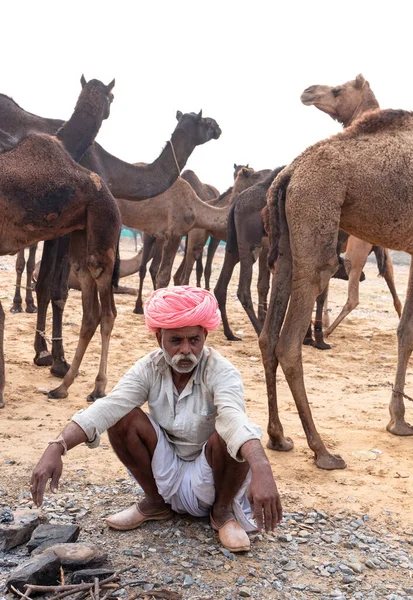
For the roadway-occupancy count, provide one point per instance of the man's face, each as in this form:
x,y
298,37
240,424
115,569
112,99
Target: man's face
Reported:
x,y
182,347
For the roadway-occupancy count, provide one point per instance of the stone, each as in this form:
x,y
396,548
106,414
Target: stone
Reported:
x,y
188,581
6,515
47,535
73,556
88,575
19,532
244,592
39,570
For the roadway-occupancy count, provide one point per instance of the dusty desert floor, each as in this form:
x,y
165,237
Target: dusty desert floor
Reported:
x,y
348,389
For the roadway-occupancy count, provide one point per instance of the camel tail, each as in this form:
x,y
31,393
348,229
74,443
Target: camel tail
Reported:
x,y
116,268
271,214
381,260
232,241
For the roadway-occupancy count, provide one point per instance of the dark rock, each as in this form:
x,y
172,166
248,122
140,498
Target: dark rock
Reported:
x,y
39,570
73,556
88,575
6,515
18,532
46,535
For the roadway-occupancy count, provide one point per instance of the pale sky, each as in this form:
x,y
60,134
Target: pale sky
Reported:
x,y
244,63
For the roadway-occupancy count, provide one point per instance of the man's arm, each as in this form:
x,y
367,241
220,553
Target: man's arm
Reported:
x,y
262,493
50,465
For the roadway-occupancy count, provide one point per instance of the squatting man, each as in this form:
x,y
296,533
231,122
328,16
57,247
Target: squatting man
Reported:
x,y
194,451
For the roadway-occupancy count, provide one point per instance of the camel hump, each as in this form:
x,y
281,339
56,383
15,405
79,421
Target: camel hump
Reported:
x,y
7,142
379,120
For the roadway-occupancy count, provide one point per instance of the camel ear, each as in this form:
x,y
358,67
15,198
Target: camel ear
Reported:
x,y
110,86
82,81
245,171
235,165
360,81
178,115
248,165
200,114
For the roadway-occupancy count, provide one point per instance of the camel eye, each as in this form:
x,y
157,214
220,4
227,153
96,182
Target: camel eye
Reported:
x,y
335,92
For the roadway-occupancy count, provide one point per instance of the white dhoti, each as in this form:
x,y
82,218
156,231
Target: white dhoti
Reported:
x,y
188,486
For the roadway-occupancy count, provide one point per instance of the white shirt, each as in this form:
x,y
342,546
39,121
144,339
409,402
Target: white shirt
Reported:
x,y
213,399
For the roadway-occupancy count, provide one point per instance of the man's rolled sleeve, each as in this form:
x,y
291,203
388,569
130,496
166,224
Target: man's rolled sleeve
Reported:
x,y
130,392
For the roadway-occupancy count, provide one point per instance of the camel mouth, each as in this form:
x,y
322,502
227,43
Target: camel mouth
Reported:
x,y
308,97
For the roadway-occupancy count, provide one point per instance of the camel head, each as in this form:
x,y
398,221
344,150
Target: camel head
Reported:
x,y
200,129
344,103
246,177
237,169
95,97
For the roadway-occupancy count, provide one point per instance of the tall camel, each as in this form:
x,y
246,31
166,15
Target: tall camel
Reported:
x,y
44,193
173,215
346,103
124,180
362,181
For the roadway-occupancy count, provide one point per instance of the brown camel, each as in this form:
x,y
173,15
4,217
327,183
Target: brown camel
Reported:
x,y
171,216
44,194
124,180
346,103
360,180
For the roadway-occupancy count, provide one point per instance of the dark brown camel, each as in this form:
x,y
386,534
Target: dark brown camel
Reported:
x,y
362,181
45,194
124,180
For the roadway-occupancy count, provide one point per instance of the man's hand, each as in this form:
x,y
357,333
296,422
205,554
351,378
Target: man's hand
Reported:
x,y
49,467
265,499
262,493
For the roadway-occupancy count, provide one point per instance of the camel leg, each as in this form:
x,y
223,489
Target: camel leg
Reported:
x,y
148,245
59,293
181,268
17,300
94,268
244,285
357,255
263,284
42,357
280,292
398,424
2,370
221,288
199,270
156,260
212,248
389,277
169,250
318,324
31,263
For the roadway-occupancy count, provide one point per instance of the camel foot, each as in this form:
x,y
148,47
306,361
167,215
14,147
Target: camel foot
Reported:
x,y
232,338
308,342
94,396
16,308
31,308
44,359
329,462
59,368
321,345
138,310
58,393
400,428
285,444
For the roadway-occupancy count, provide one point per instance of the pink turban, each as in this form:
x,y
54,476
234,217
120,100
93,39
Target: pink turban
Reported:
x,y
181,306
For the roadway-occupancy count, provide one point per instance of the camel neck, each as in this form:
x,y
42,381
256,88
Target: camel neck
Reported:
x,y
367,104
78,133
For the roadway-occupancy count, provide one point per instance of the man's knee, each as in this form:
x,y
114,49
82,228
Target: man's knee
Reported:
x,y
135,424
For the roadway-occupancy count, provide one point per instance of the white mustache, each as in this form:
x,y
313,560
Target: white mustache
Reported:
x,y
178,357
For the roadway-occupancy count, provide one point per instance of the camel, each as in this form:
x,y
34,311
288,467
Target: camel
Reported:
x,y
176,212
346,103
20,264
362,181
44,194
197,238
124,180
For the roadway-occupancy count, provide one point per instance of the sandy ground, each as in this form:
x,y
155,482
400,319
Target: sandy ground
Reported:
x,y
347,386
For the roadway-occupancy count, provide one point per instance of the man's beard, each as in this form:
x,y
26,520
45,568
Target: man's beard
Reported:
x,y
173,361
